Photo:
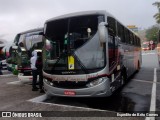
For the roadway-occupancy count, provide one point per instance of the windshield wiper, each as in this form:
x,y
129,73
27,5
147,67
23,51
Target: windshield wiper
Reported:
x,y
60,57
66,54
80,63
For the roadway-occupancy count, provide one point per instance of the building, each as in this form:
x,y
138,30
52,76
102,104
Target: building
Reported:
x,y
133,28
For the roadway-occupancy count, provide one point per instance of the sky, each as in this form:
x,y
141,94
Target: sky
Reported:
x,y
20,15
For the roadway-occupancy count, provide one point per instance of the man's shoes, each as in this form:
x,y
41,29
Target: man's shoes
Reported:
x,y
34,89
42,91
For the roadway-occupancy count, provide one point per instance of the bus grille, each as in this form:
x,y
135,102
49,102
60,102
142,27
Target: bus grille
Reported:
x,y
70,85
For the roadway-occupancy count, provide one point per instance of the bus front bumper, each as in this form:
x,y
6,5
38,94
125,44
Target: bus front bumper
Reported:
x,y
100,90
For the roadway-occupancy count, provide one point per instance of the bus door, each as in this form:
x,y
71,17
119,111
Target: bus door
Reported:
x,y
112,49
113,56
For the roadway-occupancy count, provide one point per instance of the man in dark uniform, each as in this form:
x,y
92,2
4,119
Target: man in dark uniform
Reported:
x,y
39,70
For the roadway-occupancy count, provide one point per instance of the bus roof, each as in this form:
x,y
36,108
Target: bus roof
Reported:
x,y
28,31
83,13
32,30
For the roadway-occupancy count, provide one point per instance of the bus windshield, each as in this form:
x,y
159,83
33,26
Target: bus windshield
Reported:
x,y
33,41
14,56
23,60
76,37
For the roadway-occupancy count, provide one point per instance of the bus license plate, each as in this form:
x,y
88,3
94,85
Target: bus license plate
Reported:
x,y
70,93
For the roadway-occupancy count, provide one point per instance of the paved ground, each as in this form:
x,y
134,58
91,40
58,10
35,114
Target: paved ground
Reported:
x,y
15,97
6,72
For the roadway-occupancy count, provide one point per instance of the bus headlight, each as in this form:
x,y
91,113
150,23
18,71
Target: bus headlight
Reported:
x,y
48,82
95,82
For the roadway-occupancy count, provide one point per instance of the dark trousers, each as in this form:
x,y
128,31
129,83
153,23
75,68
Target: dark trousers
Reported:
x,y
34,81
40,79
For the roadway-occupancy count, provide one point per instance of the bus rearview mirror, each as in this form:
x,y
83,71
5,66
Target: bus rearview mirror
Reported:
x,y
102,32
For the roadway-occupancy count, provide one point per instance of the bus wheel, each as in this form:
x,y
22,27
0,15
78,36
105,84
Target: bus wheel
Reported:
x,y
123,76
138,66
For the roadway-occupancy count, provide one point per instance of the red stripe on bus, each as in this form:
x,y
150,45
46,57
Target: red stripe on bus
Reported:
x,y
24,69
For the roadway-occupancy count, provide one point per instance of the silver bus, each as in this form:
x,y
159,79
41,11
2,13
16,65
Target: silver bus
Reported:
x,y
88,54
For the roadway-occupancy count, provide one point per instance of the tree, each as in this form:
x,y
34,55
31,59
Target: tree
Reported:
x,y
157,15
152,33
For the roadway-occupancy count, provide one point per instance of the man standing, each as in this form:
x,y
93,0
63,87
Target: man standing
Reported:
x,y
39,70
34,70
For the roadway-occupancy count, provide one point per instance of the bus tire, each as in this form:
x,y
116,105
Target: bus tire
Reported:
x,y
123,76
138,66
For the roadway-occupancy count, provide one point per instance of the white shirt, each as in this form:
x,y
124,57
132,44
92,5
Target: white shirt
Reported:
x,y
33,60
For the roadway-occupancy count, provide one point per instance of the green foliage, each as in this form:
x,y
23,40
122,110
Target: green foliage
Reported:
x,y
14,61
15,72
9,60
156,4
157,15
152,34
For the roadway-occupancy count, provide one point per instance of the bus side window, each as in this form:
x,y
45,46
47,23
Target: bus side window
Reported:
x,y
131,38
111,51
139,42
123,35
120,29
136,39
112,26
126,36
